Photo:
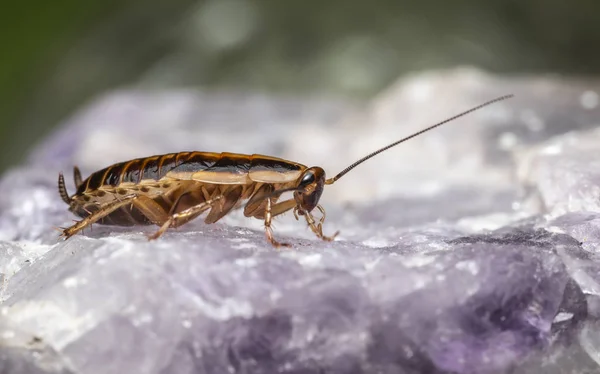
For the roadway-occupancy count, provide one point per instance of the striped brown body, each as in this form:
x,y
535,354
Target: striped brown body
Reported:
x,y
178,181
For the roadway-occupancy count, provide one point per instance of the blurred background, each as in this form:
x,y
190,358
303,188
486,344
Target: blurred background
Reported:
x,y
59,55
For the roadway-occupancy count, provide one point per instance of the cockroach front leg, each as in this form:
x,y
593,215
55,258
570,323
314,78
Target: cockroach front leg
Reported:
x,y
269,230
178,219
317,228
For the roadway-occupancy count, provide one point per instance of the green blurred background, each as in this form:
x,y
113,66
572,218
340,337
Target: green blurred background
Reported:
x,y
59,55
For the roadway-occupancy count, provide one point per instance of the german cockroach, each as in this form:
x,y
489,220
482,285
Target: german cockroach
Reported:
x,y
172,189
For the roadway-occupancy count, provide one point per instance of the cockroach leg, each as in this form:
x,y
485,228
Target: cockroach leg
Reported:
x,y
255,207
269,230
151,209
97,215
317,228
282,207
323,215
176,203
227,201
184,216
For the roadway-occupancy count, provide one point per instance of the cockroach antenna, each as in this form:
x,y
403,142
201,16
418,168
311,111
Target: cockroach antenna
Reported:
x,y
371,155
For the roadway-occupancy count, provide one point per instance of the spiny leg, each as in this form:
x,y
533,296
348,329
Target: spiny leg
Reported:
x,y
184,216
97,215
317,228
272,211
150,208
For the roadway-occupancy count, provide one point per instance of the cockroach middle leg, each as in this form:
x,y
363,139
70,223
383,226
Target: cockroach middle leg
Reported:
x,y
178,219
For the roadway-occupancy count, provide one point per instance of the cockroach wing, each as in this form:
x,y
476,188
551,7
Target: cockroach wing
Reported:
x,y
266,169
229,168
220,177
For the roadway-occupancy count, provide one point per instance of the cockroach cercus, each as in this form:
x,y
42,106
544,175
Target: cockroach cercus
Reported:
x,y
172,189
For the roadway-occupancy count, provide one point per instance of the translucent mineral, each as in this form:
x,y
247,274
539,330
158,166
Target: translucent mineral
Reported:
x,y
472,249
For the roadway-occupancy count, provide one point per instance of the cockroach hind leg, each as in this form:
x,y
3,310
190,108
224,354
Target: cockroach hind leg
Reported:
x,y
185,216
62,231
94,217
158,233
67,232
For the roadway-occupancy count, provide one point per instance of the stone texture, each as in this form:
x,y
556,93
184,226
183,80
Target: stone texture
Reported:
x,y
472,249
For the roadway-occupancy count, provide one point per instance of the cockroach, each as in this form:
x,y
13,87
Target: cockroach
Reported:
x,y
172,189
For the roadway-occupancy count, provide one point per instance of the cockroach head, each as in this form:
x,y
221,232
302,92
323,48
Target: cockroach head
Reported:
x,y
310,187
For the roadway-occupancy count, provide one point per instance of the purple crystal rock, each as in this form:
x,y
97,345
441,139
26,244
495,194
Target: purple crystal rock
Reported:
x,y
458,252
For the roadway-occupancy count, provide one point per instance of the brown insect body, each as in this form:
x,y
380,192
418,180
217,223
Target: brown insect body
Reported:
x,y
172,189
161,186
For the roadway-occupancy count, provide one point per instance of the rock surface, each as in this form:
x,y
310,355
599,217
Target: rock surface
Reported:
x,y
471,249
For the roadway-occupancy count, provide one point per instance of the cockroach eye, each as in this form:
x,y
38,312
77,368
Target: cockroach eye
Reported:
x,y
307,179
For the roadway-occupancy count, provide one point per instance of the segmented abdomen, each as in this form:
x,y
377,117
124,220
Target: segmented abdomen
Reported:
x,y
202,166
